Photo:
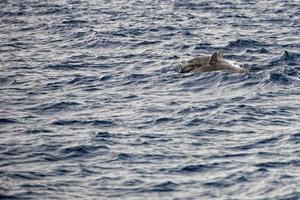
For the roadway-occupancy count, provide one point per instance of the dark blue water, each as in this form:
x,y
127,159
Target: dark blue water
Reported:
x,y
93,105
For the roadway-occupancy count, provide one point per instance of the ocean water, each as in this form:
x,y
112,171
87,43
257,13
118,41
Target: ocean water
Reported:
x,y
92,104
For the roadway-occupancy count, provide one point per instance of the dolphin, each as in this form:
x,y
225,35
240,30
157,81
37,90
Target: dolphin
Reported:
x,y
215,62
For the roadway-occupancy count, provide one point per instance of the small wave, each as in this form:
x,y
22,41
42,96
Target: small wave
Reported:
x,y
74,21
100,123
38,130
102,134
133,182
292,71
136,78
286,57
57,107
106,77
78,80
28,175
146,42
258,144
163,120
71,65
295,138
203,45
5,81
278,78
261,51
194,109
4,121
196,122
244,43
219,184
95,39
8,13
64,66
234,155
125,156
82,150
193,168
103,137
8,197
167,186
53,10
272,164
211,131
193,6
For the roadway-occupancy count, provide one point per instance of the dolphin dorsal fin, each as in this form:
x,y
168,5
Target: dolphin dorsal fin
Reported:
x,y
214,58
220,54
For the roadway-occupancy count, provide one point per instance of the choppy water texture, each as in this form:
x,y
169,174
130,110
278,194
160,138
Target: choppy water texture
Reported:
x,y
93,105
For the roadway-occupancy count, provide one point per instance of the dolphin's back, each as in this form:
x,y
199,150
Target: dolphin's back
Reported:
x,y
222,65
215,62
194,63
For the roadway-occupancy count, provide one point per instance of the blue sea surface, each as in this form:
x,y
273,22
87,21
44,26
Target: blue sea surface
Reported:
x,y
92,104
